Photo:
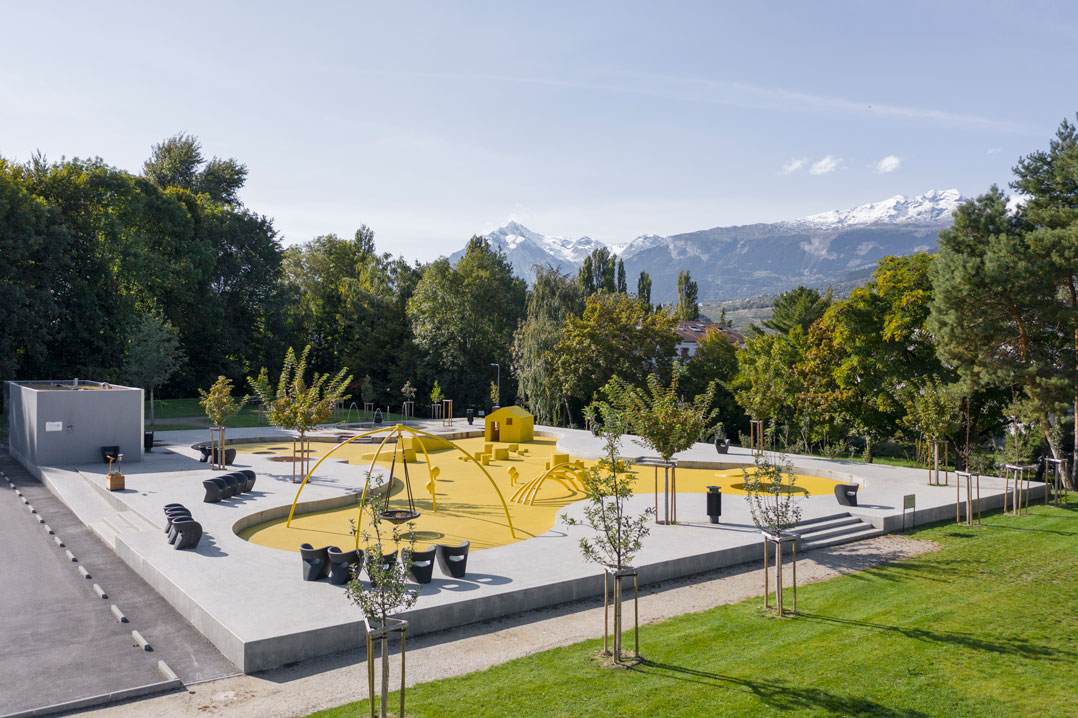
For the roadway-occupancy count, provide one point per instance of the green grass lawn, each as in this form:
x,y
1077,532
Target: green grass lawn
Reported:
x,y
176,409
986,626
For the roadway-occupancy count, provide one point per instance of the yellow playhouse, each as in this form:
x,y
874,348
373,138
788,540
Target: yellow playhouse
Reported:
x,y
510,423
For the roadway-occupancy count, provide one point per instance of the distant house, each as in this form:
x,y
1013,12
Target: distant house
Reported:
x,y
510,423
690,334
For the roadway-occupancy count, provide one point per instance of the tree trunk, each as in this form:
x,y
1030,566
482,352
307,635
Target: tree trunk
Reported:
x,y
1048,437
1072,480
385,672
153,420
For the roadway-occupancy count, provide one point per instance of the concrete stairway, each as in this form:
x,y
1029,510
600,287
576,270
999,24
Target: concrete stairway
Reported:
x,y
120,522
833,530
105,516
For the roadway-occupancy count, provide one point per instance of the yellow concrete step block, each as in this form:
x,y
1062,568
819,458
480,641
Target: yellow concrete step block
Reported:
x,y
559,459
485,461
488,448
514,448
501,454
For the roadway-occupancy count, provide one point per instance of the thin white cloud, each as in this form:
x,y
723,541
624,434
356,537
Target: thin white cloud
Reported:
x,y
736,94
993,150
825,166
792,166
890,163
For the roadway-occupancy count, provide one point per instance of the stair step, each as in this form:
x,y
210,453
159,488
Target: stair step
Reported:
x,y
847,529
823,519
104,531
832,521
827,525
136,521
865,533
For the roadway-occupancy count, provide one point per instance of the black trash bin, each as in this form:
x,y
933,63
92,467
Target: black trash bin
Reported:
x,y
377,416
147,440
714,503
471,416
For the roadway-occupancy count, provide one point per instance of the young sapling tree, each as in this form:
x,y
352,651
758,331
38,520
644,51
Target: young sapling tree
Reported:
x,y
617,535
297,406
388,591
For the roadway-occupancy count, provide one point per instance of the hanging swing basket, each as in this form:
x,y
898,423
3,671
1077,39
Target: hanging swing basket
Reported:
x,y
399,517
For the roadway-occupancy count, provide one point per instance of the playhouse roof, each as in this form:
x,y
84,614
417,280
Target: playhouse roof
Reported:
x,y
514,410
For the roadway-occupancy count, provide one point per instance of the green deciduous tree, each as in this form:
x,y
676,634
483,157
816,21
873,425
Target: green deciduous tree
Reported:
x,y
34,245
643,289
931,412
295,404
772,493
688,305
464,318
617,535
663,419
178,162
865,350
554,298
153,354
614,336
350,306
388,591
715,365
598,272
218,402
765,385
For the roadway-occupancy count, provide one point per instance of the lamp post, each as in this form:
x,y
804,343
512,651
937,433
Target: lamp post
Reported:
x,y
499,367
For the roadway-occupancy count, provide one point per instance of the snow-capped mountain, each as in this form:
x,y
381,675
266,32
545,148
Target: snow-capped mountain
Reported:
x,y
514,234
525,249
639,244
932,207
748,260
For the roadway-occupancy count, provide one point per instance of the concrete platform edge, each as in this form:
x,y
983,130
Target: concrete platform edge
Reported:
x,y
100,700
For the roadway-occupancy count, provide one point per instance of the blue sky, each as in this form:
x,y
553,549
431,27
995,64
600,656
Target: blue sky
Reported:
x,y
432,121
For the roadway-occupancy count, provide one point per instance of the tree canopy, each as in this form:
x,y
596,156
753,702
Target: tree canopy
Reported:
x,y
613,337
798,308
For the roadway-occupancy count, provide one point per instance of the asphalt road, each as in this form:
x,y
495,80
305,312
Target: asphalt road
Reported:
x,y
59,640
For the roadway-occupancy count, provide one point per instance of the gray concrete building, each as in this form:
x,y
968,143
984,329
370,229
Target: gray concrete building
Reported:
x,y
51,423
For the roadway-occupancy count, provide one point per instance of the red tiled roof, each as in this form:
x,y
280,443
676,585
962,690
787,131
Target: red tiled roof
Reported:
x,y
693,332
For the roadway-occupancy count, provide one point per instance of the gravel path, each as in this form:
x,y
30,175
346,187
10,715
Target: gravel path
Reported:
x,y
333,680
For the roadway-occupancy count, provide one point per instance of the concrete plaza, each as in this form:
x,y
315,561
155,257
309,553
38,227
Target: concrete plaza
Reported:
x,y
251,603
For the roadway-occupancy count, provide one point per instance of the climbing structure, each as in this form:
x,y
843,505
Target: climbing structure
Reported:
x,y
420,439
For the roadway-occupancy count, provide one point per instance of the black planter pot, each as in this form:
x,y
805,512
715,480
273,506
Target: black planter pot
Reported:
x,y
722,446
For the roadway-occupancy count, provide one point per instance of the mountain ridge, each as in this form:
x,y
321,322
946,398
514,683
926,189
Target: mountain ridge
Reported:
x,y
730,262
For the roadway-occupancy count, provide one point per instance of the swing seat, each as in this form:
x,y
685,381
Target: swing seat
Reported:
x,y
400,516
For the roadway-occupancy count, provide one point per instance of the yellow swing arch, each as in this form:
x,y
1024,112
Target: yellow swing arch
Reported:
x,y
398,430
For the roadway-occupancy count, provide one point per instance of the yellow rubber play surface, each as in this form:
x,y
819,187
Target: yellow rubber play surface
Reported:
x,y
468,505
